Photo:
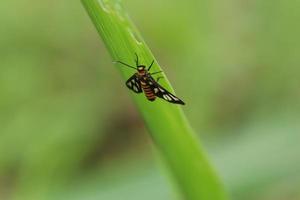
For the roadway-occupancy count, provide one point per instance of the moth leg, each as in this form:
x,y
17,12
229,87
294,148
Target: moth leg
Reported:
x,y
156,72
159,78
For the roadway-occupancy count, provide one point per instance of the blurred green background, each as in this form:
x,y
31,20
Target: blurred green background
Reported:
x,y
69,130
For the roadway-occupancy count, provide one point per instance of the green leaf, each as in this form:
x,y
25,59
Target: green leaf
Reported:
x,y
166,122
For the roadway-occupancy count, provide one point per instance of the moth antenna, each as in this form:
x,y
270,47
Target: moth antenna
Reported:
x,y
125,64
137,59
150,65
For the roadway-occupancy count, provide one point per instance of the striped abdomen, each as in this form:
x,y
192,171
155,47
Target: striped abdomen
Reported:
x,y
148,92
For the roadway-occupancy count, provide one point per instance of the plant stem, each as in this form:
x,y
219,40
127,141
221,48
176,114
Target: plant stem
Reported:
x,y
166,122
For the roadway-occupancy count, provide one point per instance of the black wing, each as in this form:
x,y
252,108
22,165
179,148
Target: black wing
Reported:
x,y
161,92
134,84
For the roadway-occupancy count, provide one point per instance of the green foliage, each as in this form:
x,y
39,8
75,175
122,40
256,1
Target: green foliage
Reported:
x,y
68,129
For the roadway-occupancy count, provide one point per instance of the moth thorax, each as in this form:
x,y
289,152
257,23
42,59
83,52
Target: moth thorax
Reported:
x,y
141,71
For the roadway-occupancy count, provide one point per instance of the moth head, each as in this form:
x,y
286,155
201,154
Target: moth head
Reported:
x,y
141,68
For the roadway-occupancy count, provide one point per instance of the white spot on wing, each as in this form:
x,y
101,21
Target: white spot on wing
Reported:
x,y
167,97
175,98
155,90
162,90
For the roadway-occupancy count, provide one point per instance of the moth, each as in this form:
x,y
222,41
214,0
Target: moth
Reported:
x,y
142,81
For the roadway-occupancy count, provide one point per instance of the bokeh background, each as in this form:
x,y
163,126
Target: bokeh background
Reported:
x,y
69,130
